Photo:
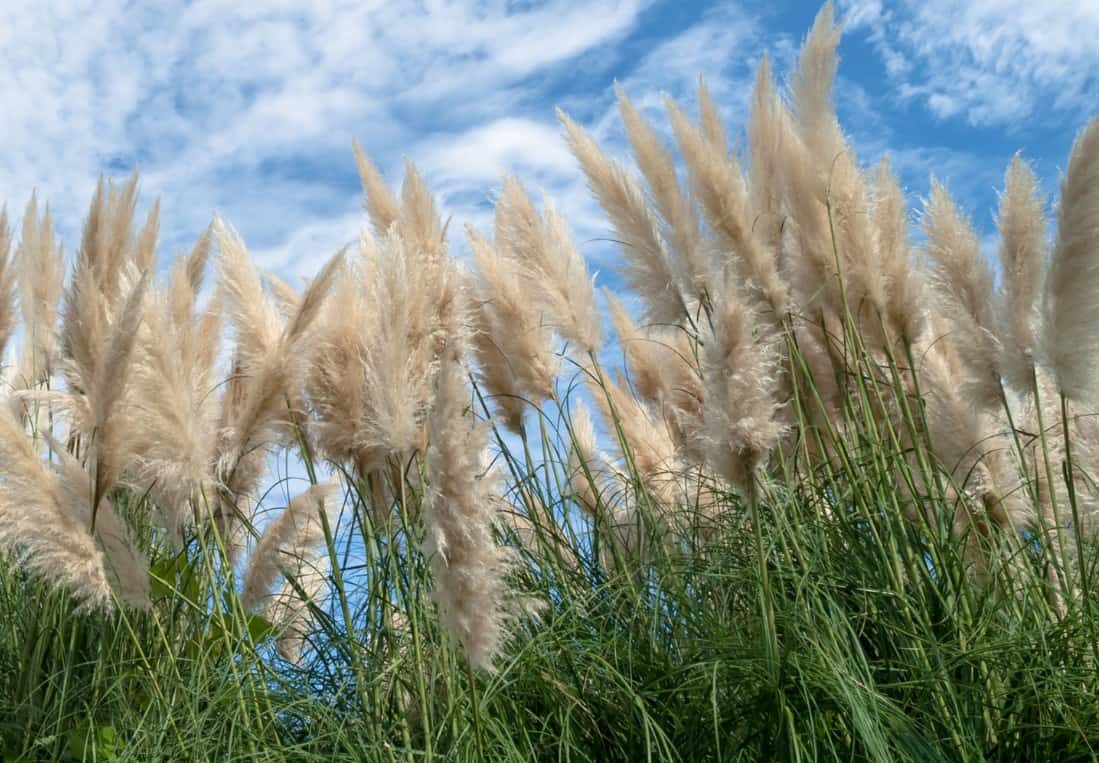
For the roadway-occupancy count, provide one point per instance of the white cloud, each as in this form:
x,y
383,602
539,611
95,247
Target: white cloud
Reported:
x,y
249,107
989,62
506,145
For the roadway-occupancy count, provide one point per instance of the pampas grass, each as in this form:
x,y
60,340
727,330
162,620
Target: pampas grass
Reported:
x,y
963,283
40,269
7,286
39,523
546,255
837,485
1070,309
648,268
467,565
1023,259
287,544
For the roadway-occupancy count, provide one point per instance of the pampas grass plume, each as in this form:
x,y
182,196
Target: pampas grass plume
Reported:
x,y
1071,306
466,564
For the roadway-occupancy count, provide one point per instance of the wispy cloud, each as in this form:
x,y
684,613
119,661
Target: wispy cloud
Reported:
x,y
988,62
250,107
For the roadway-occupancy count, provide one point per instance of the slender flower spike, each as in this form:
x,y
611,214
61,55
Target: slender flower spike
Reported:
x,y
1071,307
466,564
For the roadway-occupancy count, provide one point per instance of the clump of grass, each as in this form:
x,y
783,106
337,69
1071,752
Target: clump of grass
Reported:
x,y
838,501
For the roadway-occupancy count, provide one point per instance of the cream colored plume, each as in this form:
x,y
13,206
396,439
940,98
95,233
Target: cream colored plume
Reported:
x,y
381,204
643,437
903,311
289,610
765,139
383,332
7,283
813,82
648,267
962,280
1023,261
41,269
515,325
45,520
677,212
291,539
171,416
553,271
662,369
466,564
720,188
594,482
270,367
1071,306
494,372
741,414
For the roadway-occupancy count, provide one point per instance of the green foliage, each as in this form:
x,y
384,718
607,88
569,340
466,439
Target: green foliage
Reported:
x,y
815,621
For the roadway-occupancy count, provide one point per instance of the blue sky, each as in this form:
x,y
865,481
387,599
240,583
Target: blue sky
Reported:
x,y
249,107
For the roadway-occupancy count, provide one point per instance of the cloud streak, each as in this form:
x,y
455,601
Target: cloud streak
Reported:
x,y
991,63
249,108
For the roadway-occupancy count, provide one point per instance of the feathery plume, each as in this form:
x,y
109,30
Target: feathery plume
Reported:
x,y
144,255
171,413
272,364
664,371
765,133
812,86
381,337
710,119
1023,260
973,448
835,265
648,268
494,372
963,282
739,409
466,564
676,210
419,222
290,609
812,267
41,267
7,282
125,566
514,322
308,307
901,288
646,438
721,190
660,361
1071,306
45,519
645,356
107,391
285,295
405,351
289,540
34,527
253,316
121,206
381,204
98,337
590,474
552,268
